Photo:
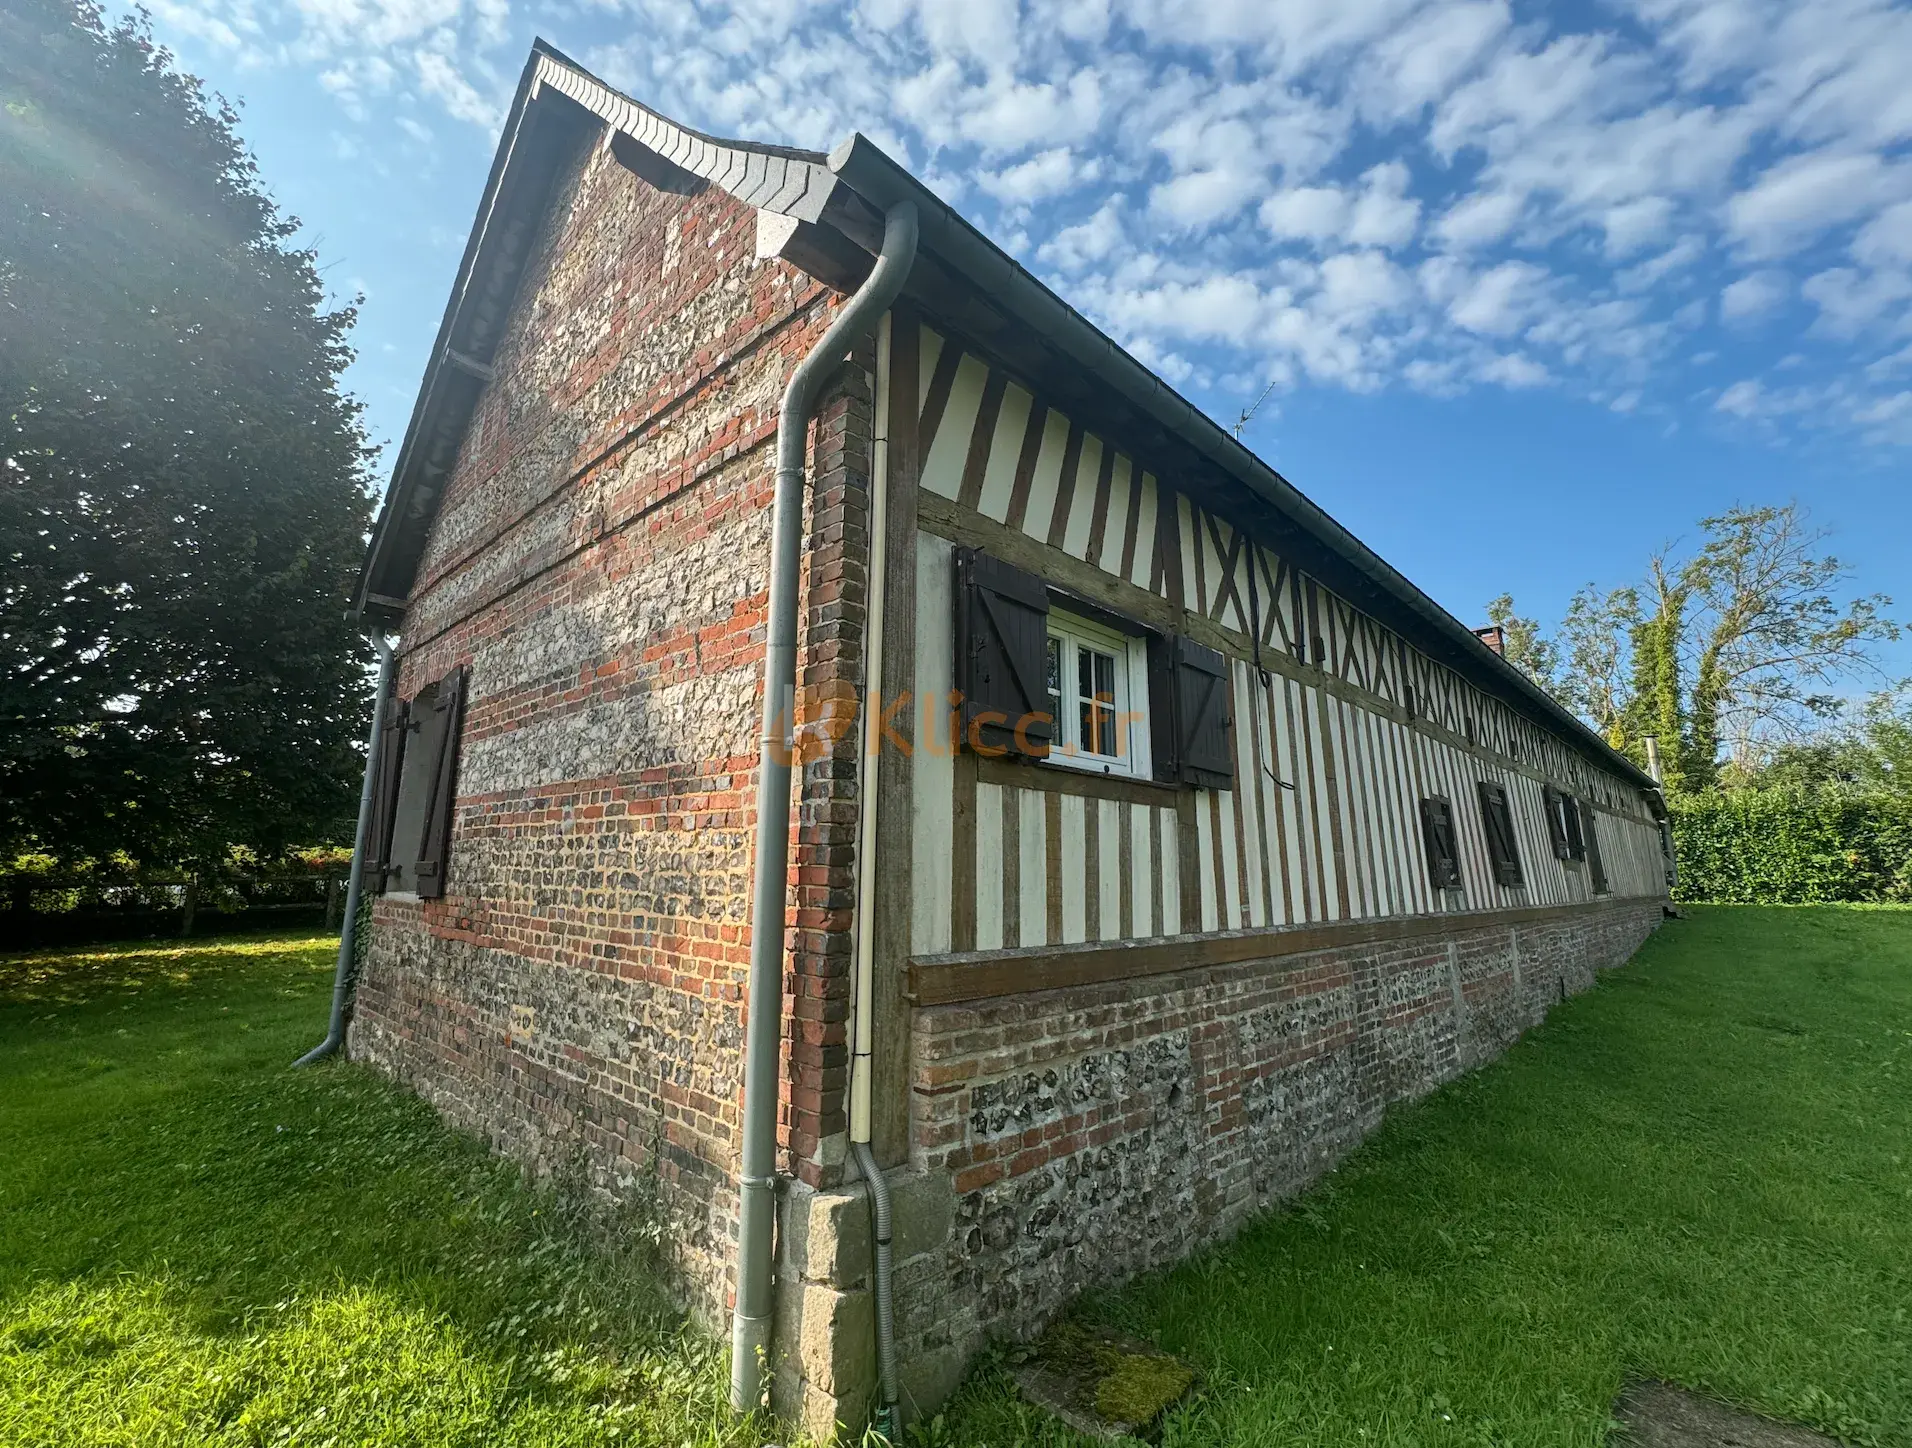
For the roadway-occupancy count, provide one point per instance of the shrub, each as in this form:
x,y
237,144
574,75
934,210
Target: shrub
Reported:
x,y
1784,847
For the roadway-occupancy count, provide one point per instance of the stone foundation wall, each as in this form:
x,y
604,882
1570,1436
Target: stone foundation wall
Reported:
x,y
1076,1138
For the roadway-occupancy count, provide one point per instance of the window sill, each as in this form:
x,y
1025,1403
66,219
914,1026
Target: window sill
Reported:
x,y
1085,764
1040,774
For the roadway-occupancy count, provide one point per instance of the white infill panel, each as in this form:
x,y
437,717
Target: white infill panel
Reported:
x,y
1144,892
989,867
1115,526
949,449
1046,477
1033,874
1168,865
1109,823
1142,568
1208,916
1231,860
931,348
1075,869
1075,533
1005,448
932,775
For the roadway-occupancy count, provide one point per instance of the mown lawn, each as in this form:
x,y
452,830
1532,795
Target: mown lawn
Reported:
x,y
199,1246
1699,1171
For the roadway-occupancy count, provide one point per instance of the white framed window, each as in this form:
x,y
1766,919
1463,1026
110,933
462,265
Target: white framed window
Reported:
x,y
1098,693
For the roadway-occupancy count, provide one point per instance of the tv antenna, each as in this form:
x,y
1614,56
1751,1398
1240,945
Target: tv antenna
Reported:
x,y
1248,413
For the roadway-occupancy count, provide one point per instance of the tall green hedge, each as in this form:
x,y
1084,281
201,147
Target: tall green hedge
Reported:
x,y
1783,847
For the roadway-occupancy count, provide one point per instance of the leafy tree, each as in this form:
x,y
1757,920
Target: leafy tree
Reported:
x,y
184,497
1768,639
1527,648
1735,648
1592,650
1872,754
1655,707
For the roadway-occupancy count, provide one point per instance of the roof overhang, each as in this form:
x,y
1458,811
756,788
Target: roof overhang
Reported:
x,y
825,214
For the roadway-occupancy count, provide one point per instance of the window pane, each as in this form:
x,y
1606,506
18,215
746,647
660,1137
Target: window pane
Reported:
x,y
1095,702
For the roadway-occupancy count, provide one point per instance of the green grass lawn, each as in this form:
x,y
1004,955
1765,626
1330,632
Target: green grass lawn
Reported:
x,y
199,1246
1699,1171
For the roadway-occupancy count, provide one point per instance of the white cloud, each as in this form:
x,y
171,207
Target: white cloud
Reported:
x,y
1011,116
1886,240
1359,283
440,78
1800,197
1480,220
1357,193
1634,224
1498,301
1513,369
1306,213
1048,174
1644,276
1420,62
1087,243
1375,212
1383,213
1852,301
1754,295
1745,398
1197,199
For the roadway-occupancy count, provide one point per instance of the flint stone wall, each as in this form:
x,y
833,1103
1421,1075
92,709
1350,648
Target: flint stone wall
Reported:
x,y
1076,1138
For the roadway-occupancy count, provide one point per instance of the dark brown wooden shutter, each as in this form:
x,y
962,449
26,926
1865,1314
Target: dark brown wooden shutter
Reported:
x,y
1596,866
1437,833
1570,818
1188,714
391,759
1556,806
1002,657
442,731
1497,822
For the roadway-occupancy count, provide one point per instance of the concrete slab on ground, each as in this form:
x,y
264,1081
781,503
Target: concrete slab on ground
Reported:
x,y
1659,1415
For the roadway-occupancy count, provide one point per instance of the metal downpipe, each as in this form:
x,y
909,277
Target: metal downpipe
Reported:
x,y
862,1007
757,1204
348,936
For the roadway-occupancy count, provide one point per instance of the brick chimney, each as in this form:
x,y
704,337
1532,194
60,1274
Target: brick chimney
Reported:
x,y
1495,637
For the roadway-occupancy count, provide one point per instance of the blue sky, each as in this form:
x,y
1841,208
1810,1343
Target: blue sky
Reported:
x,y
1536,288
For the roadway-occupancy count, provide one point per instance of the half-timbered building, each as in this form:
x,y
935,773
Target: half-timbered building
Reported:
x,y
1150,835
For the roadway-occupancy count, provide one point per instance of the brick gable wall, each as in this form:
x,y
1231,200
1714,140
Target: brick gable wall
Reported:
x,y
600,565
